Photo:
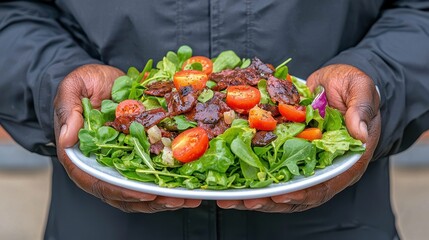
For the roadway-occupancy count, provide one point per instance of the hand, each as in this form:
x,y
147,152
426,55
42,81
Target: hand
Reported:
x,y
353,93
95,82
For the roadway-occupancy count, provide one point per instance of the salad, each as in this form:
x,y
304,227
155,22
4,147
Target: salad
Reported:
x,y
222,123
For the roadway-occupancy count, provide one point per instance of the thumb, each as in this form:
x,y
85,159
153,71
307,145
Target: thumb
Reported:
x,y
357,120
69,128
68,117
362,108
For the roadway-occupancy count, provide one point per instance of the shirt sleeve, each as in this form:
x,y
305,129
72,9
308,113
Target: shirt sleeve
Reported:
x,y
395,54
36,54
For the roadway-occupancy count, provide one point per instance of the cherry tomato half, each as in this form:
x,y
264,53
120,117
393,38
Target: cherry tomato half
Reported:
x,y
194,78
190,144
242,98
310,134
129,107
204,61
292,113
261,119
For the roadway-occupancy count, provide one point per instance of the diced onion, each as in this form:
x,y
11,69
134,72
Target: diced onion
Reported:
x,y
167,156
166,141
229,116
154,134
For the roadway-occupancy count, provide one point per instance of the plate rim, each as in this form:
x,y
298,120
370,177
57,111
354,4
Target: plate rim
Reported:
x,y
112,176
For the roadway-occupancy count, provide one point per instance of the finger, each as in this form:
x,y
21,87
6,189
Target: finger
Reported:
x,y
269,206
139,207
310,196
158,205
256,204
176,203
362,108
192,203
228,204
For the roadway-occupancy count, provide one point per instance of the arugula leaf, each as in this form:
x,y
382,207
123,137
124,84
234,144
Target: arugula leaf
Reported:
x,y
218,158
244,152
147,69
93,118
106,134
152,102
136,90
191,183
87,107
121,88
302,88
260,184
108,109
248,171
284,132
245,62
140,151
96,119
226,60
282,70
166,71
206,95
133,73
295,151
137,131
194,66
313,118
265,96
184,53
87,141
333,119
173,58
216,178
183,123
338,140
136,175
211,84
326,158
281,73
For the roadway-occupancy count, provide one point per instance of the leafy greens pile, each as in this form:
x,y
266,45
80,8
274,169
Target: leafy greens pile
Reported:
x,y
230,162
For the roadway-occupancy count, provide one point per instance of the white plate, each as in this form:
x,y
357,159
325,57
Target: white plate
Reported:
x,y
110,175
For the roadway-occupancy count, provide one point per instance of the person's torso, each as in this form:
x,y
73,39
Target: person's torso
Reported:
x,y
129,33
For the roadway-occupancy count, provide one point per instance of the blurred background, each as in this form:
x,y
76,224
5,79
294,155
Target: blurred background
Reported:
x,y
25,191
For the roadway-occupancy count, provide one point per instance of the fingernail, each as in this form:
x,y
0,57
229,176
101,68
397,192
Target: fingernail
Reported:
x,y
287,200
231,206
63,131
169,206
258,206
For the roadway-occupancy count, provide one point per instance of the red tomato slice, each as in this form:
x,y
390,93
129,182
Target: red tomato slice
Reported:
x,y
242,98
129,107
261,119
194,78
292,113
205,62
310,134
190,144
